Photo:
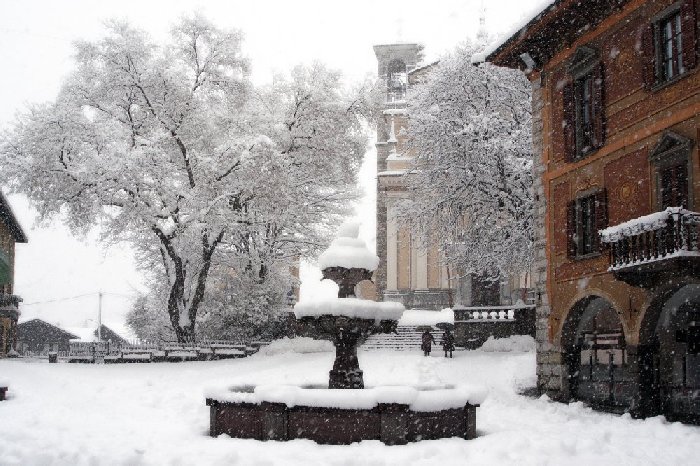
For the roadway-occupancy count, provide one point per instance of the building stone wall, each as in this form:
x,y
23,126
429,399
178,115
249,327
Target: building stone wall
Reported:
x,y
550,369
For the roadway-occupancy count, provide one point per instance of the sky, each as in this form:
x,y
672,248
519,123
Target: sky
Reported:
x,y
58,275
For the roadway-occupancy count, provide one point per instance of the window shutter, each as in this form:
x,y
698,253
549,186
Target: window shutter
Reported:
x,y
648,56
601,214
569,122
571,244
689,31
682,175
598,106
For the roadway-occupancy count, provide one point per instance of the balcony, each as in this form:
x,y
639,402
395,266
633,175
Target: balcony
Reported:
x,y
9,300
655,247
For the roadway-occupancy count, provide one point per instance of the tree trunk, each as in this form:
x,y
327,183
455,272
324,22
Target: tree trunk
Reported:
x,y
185,334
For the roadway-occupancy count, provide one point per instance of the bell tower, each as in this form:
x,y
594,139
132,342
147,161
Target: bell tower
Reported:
x,y
409,272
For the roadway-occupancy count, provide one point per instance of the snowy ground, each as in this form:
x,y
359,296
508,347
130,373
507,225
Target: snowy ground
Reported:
x,y
155,414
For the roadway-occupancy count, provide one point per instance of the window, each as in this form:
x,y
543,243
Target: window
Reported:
x,y
586,215
670,159
669,44
584,114
397,81
673,186
583,105
670,47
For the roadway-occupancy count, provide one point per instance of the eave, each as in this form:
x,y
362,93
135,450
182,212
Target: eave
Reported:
x,y
552,30
8,218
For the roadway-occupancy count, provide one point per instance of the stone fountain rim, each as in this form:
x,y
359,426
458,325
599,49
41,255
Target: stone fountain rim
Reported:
x,y
423,398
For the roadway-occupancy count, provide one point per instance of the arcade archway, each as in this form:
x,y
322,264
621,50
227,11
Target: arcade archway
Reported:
x,y
670,368
596,356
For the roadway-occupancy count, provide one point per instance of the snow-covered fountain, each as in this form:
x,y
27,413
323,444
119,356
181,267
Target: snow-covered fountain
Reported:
x,y
345,411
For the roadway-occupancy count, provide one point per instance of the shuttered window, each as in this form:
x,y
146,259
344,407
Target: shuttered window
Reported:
x,y
674,186
584,112
5,269
585,216
669,44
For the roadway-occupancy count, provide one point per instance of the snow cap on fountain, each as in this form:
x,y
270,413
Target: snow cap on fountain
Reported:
x,y
348,251
350,307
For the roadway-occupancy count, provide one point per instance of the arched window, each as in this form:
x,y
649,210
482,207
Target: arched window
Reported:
x,y
397,80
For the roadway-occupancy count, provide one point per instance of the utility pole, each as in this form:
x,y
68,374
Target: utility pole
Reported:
x,y
99,316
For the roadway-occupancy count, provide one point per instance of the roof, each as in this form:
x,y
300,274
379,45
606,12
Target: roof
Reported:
x,y
9,219
42,323
554,25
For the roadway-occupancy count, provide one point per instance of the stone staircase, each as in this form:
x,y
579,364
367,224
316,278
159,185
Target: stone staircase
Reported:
x,y
406,338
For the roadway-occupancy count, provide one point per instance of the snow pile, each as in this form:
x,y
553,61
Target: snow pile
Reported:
x,y
418,317
368,398
300,345
512,344
637,226
350,307
348,251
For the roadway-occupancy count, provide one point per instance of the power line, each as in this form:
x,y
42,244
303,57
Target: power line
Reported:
x,y
68,298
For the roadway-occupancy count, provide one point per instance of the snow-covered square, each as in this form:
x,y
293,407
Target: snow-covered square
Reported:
x,y
74,414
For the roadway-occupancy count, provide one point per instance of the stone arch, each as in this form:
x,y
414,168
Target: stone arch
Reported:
x,y
593,338
669,353
576,307
651,312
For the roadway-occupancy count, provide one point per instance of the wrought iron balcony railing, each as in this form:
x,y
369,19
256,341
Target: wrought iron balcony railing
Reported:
x,y
669,234
9,300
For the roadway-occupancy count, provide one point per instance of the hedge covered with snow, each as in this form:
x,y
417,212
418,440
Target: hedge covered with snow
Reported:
x,y
300,345
512,344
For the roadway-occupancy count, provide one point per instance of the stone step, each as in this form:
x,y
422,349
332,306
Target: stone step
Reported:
x,y
406,338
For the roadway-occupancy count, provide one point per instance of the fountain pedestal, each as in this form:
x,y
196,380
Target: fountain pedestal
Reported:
x,y
346,372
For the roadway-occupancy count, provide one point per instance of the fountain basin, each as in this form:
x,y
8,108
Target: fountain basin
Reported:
x,y
392,414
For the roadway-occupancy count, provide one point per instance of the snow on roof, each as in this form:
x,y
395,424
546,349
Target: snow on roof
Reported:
x,y
84,334
392,173
517,29
348,251
121,329
9,219
423,67
398,156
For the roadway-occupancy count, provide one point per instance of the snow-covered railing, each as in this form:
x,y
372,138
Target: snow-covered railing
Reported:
x,y
489,313
9,300
661,235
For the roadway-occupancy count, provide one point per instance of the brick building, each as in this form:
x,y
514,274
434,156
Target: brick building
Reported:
x,y
616,115
10,233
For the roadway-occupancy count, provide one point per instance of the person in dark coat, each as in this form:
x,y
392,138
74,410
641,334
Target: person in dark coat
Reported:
x,y
427,342
448,342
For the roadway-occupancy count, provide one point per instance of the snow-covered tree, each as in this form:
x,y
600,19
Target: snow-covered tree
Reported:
x,y
469,130
171,148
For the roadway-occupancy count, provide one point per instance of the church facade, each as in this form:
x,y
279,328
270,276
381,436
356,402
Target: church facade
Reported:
x,y
411,272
